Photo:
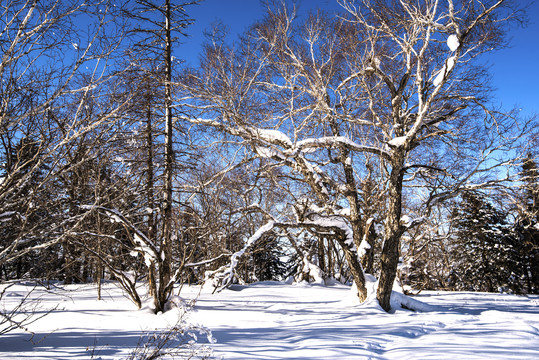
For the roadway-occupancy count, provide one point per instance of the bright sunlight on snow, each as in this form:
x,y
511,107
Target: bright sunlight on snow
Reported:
x,y
272,320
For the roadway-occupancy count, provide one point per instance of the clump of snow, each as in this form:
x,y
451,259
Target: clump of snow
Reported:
x,y
399,300
273,136
406,221
448,66
398,141
115,219
144,249
334,222
363,247
440,77
451,63
314,271
369,69
453,42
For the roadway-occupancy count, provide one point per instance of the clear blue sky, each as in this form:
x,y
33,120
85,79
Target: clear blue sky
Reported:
x,y
515,71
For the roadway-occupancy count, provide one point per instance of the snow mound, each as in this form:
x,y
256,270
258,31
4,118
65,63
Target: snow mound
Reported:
x,y
399,300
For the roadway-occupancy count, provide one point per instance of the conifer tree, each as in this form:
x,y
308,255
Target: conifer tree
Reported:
x,y
483,252
527,224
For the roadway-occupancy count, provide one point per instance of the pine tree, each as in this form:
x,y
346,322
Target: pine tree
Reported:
x,y
527,225
483,252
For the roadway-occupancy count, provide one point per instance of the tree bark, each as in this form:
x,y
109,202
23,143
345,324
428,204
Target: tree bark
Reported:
x,y
393,232
166,264
356,270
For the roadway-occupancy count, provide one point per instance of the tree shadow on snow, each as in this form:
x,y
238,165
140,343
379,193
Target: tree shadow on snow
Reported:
x,y
68,344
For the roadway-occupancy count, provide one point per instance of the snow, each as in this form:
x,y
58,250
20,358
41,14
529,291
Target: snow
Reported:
x,y
451,63
143,247
448,66
406,221
335,222
398,141
325,142
266,152
439,78
7,214
453,42
272,136
226,273
314,271
363,247
272,320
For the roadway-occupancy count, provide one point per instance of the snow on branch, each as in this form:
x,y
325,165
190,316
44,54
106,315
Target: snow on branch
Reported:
x,y
140,240
335,142
364,245
274,137
444,71
268,137
453,42
225,274
333,225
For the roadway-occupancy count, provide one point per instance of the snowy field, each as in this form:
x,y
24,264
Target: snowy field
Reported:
x,y
278,321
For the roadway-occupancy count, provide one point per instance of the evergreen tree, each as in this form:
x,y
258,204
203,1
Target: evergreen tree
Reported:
x,y
527,225
27,208
482,252
267,260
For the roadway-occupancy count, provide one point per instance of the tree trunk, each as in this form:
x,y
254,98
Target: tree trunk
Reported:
x,y
321,255
355,218
393,232
165,267
367,261
149,189
356,270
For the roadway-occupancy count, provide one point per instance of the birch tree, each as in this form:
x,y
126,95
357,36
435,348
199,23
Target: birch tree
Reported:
x,y
394,85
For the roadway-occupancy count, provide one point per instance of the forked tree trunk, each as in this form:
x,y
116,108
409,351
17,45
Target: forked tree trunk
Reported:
x,y
355,218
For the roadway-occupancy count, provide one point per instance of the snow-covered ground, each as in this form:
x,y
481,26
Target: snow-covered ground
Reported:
x,y
279,321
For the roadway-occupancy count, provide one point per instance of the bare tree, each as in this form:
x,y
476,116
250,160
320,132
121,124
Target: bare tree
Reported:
x,y
48,66
387,84
51,71
154,29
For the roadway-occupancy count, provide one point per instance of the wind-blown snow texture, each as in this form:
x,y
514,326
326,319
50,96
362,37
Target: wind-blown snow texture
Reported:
x,y
277,321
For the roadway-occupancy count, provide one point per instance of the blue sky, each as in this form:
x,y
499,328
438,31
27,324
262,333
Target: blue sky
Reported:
x,y
515,71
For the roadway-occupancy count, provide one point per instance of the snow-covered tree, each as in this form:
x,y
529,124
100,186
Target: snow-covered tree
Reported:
x,y
35,93
394,85
527,224
154,28
49,67
484,254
